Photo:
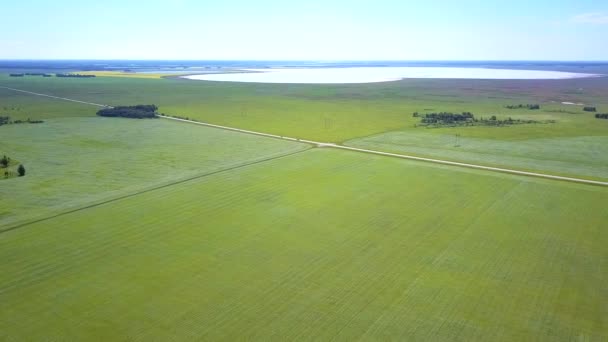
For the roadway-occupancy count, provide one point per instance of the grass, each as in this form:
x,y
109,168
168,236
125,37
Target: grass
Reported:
x,y
74,162
321,245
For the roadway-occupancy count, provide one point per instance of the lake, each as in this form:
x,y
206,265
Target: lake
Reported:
x,y
379,74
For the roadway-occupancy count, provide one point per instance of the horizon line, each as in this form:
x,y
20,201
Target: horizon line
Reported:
x,y
304,60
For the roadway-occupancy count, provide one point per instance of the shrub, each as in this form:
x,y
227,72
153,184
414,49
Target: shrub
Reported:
x,y
21,170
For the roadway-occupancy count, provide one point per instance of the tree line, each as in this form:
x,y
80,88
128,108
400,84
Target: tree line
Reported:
x,y
31,74
527,106
133,112
601,116
6,120
589,109
49,75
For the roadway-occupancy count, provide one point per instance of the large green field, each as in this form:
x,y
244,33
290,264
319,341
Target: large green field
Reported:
x,y
80,161
321,245
161,230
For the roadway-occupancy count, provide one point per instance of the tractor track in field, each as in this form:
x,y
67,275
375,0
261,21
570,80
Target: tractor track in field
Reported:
x,y
154,188
55,97
354,149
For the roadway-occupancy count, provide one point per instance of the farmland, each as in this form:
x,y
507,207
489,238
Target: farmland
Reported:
x,y
324,244
79,161
155,230
377,116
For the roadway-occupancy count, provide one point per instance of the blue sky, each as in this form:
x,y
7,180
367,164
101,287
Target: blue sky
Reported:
x,y
305,30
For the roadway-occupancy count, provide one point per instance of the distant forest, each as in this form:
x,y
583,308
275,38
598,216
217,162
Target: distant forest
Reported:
x,y
74,75
132,112
50,75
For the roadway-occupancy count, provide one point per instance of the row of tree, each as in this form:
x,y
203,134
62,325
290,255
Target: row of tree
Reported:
x,y
468,119
6,120
31,74
601,116
589,109
521,106
133,112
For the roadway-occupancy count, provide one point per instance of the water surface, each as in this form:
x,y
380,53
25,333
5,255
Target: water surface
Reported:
x,y
379,74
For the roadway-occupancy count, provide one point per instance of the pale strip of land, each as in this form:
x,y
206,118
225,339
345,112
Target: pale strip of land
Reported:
x,y
332,145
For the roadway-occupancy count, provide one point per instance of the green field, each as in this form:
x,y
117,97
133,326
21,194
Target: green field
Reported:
x,y
377,116
320,245
160,230
79,161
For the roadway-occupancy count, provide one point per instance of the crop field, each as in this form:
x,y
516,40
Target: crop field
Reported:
x,y
79,161
126,229
320,245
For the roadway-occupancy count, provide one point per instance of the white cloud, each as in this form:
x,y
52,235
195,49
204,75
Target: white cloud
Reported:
x,y
591,18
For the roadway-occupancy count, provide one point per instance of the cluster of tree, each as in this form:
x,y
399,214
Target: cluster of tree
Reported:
x,y
589,109
601,116
446,119
74,75
5,163
6,120
16,75
133,112
527,106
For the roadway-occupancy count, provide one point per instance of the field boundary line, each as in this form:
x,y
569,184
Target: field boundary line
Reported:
x,y
361,150
154,188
